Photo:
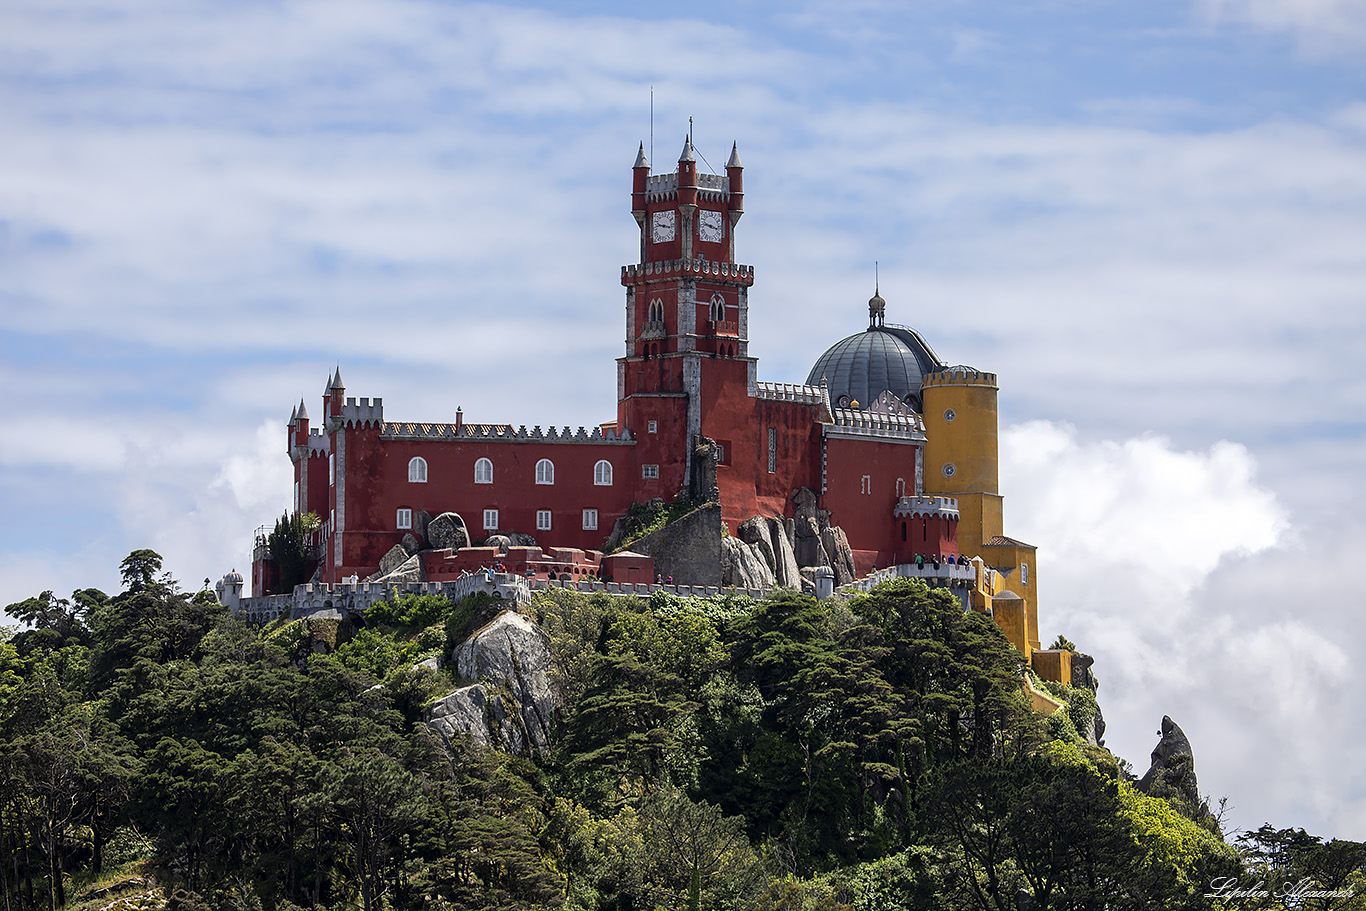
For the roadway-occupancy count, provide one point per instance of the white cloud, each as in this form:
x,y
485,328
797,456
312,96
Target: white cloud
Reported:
x,y
1179,572
1319,25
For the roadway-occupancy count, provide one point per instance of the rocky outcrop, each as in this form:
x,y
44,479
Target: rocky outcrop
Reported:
x,y
815,542
744,565
502,542
1172,773
519,540
513,706
687,549
1082,677
410,544
838,554
447,531
705,456
408,571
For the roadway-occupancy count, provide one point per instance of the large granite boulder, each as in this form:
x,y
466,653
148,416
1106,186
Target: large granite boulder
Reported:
x,y
744,565
839,556
514,705
447,532
391,561
521,540
410,544
408,571
502,542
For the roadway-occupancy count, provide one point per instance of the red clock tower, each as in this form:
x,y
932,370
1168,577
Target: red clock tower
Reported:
x,y
687,315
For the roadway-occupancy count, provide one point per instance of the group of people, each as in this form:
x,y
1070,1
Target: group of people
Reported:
x,y
936,559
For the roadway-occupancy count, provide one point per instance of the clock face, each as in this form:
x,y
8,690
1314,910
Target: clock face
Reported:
x,y
662,227
710,227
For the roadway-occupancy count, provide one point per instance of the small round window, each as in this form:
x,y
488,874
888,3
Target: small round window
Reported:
x,y
949,414
949,470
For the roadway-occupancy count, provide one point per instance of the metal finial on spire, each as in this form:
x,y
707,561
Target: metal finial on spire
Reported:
x,y
877,307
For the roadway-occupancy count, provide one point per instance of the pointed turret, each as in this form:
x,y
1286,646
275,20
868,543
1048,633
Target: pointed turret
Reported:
x,y
640,180
303,412
735,177
687,176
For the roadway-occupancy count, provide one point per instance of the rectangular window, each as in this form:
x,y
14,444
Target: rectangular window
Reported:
x,y
866,485
901,487
332,468
1024,573
543,520
405,518
490,520
590,520
297,504
649,471
720,454
653,427
772,450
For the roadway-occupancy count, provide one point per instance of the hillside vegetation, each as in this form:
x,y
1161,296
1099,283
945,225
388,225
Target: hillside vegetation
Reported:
x,y
719,753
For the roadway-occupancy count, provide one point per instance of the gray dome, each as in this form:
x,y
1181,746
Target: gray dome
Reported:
x,y
882,358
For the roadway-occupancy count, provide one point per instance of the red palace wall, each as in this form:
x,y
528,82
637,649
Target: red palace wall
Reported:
x,y
861,492
377,486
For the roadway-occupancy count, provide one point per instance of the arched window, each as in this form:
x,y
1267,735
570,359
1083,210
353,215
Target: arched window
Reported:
x,y
655,313
417,470
545,472
483,472
602,473
718,308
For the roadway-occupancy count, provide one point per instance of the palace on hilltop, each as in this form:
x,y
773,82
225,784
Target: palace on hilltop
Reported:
x,y
896,445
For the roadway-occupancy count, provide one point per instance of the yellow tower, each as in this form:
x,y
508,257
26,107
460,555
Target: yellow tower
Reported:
x,y
961,460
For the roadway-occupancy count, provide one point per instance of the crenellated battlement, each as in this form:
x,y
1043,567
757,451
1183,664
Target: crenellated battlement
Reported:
x,y
404,430
854,422
789,392
639,273
358,413
711,187
926,507
959,376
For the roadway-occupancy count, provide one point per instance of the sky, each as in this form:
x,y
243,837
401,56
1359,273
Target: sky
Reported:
x,y
1149,219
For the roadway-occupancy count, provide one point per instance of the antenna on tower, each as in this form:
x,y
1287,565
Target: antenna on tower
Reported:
x,y
876,283
652,126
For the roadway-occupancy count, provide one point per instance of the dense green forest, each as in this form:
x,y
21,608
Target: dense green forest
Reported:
x,y
718,753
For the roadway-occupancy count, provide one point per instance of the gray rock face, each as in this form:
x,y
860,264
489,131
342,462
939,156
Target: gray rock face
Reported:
x,y
743,565
688,549
502,542
474,711
511,658
1172,773
410,544
705,455
1082,676
447,531
838,554
391,561
409,571
520,540
786,572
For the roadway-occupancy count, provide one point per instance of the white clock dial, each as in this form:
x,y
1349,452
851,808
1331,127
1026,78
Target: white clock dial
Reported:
x,y
710,227
662,227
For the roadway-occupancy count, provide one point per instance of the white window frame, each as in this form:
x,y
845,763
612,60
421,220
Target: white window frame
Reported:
x,y
772,450
545,472
1024,573
866,484
404,519
590,520
297,504
649,471
652,427
543,520
417,470
331,468
602,473
483,471
490,520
